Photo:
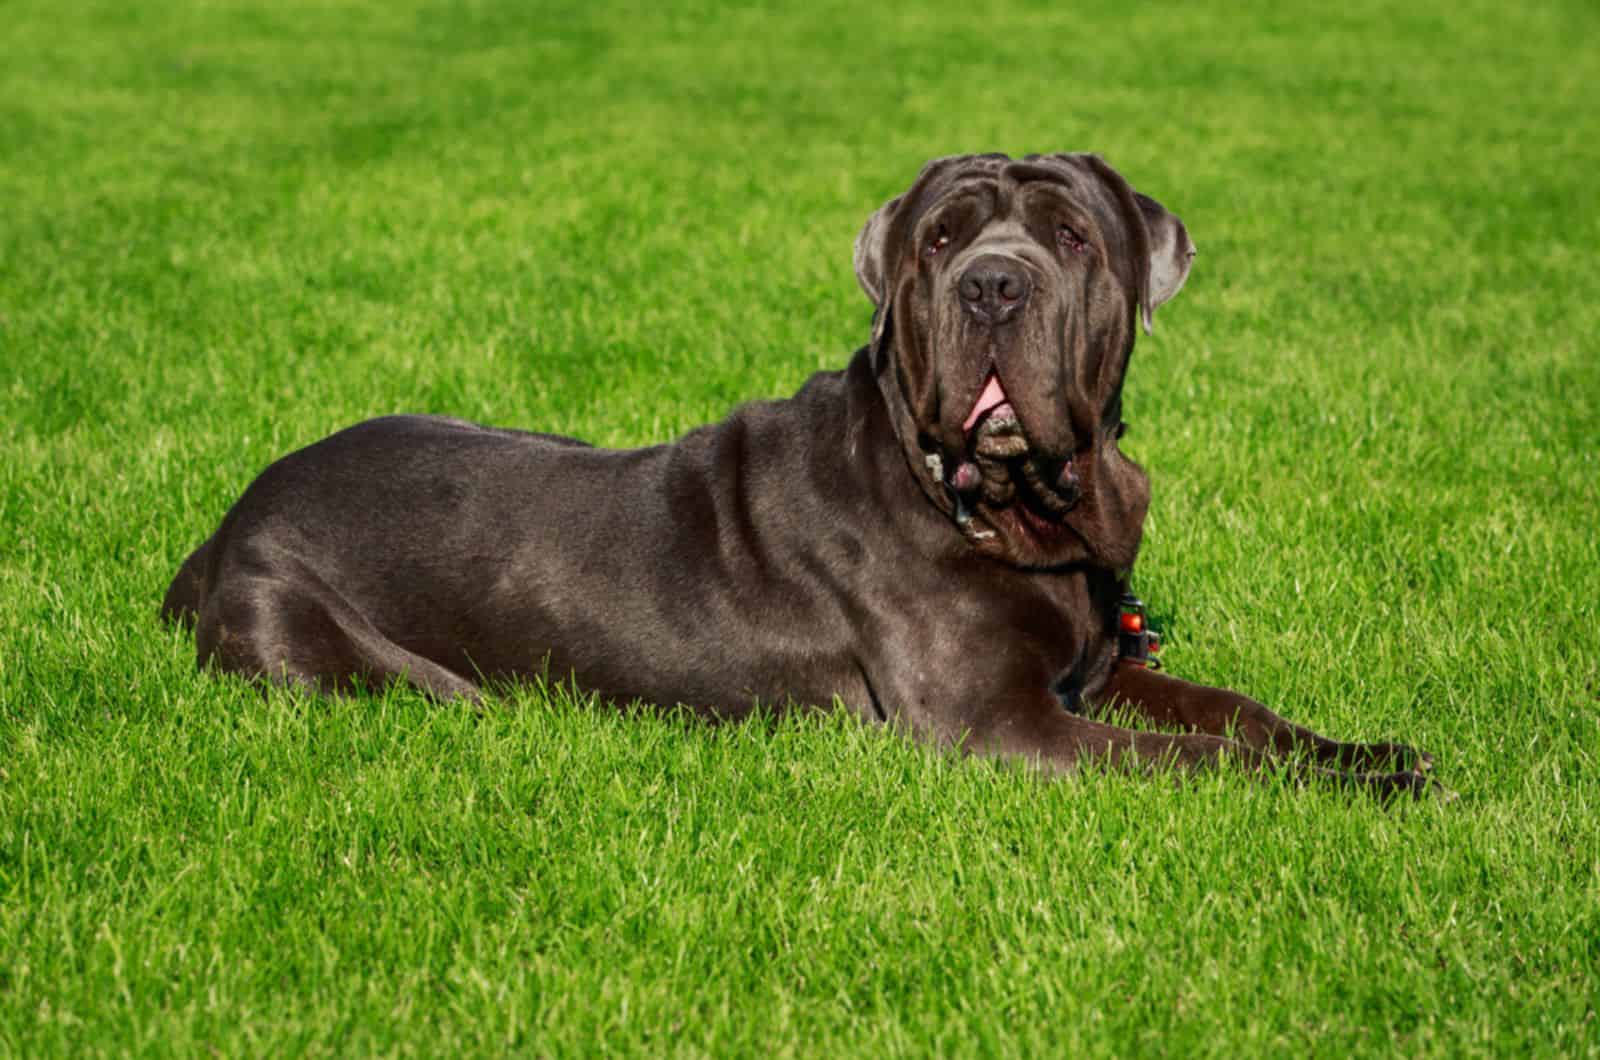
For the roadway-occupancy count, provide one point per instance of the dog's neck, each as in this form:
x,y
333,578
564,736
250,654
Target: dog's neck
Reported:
x,y
876,393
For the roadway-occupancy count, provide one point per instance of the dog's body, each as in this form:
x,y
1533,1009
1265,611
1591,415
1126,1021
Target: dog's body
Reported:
x,y
938,535
782,554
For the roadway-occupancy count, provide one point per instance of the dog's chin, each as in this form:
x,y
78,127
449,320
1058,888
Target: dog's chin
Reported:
x,y
1027,531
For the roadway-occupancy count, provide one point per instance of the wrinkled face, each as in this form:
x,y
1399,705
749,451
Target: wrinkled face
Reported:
x,y
1008,294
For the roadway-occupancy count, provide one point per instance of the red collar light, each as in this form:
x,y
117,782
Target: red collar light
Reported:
x,y
1137,643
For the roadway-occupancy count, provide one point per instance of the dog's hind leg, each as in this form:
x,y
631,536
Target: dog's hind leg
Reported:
x,y
295,629
1166,700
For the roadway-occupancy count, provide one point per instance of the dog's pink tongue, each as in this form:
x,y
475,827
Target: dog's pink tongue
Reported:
x,y
991,398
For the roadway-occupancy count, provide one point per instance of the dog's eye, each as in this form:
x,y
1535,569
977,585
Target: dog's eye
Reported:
x,y
1069,238
939,241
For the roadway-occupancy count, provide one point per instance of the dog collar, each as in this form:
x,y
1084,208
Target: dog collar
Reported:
x,y
1137,643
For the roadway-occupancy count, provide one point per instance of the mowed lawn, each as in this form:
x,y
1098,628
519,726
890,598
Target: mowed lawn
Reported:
x,y
1371,422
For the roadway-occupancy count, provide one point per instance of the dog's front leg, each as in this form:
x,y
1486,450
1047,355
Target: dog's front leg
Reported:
x,y
1166,700
1036,729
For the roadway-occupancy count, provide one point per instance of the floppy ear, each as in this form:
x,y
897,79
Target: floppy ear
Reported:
x,y
1171,252
870,263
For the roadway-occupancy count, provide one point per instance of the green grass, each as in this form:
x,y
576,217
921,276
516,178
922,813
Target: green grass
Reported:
x,y
1372,423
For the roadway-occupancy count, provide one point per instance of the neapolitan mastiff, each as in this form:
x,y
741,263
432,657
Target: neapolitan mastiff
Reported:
x,y
939,535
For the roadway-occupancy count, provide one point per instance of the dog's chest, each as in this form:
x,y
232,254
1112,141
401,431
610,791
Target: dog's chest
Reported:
x,y
957,645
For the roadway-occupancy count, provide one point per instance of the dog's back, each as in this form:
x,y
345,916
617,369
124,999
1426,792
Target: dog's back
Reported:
x,y
442,552
186,595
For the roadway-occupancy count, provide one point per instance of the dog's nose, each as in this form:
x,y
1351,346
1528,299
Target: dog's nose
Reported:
x,y
994,288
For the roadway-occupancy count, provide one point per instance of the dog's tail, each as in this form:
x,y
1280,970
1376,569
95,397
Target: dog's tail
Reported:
x,y
187,593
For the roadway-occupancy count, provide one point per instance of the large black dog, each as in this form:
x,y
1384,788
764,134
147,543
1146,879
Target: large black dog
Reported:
x,y
940,534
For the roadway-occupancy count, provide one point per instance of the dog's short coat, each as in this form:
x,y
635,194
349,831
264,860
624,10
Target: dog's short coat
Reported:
x,y
938,535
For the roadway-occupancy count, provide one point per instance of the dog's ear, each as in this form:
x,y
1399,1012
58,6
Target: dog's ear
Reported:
x,y
1166,241
1171,252
871,266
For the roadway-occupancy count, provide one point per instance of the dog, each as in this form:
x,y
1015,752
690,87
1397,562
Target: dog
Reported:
x,y
939,536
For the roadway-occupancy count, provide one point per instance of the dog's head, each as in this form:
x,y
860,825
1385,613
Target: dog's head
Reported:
x,y
1008,294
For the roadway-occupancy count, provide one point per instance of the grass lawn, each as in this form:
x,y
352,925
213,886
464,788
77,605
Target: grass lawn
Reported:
x,y
1371,421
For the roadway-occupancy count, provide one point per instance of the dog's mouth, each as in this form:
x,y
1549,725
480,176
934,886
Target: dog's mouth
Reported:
x,y
1001,468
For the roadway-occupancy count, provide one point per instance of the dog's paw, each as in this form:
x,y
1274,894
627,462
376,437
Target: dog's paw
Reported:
x,y
1384,758
1408,785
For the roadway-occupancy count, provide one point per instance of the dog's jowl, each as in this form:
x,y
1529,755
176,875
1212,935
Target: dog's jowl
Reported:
x,y
938,535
